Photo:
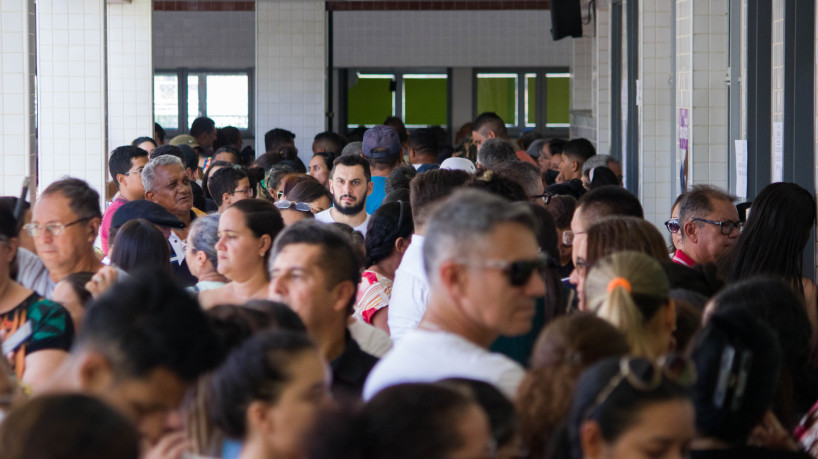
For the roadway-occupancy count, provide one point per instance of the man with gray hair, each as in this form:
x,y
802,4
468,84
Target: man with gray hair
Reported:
x,y
481,258
709,225
528,176
493,152
167,183
600,161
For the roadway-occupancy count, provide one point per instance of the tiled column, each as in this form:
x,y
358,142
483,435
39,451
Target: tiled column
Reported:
x,y
17,64
602,77
701,89
582,68
71,91
130,72
777,100
655,73
290,70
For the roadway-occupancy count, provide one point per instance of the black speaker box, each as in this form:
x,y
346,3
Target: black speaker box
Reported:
x,y
566,19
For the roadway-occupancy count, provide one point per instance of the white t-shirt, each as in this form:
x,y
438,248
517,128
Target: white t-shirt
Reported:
x,y
410,291
32,273
428,356
326,217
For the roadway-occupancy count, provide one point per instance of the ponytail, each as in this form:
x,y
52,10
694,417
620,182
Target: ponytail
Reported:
x,y
627,289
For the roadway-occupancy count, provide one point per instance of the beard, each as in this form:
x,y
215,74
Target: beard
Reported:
x,y
352,209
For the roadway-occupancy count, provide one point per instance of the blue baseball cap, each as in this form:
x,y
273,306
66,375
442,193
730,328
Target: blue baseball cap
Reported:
x,y
381,142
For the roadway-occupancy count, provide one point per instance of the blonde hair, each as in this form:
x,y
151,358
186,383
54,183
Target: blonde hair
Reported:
x,y
628,289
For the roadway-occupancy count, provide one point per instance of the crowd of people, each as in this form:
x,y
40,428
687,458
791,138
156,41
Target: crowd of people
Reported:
x,y
398,297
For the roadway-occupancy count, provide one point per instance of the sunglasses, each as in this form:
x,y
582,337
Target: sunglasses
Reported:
x,y
727,227
519,272
301,206
672,225
645,376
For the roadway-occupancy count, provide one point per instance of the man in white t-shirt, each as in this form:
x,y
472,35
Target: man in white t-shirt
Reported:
x,y
482,261
350,183
410,290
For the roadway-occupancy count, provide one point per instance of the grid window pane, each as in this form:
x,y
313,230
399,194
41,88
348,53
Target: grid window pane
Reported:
x,y
166,101
424,100
227,100
558,98
371,100
497,92
193,111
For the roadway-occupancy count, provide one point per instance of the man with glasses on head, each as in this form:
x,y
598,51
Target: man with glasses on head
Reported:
x,y
125,166
709,225
483,265
64,224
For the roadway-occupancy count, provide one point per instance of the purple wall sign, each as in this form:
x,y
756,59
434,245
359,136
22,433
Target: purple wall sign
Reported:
x,y
684,128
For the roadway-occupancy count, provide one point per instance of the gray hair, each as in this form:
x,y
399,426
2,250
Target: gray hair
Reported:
x,y
458,225
526,174
597,161
535,149
353,148
204,233
495,151
149,171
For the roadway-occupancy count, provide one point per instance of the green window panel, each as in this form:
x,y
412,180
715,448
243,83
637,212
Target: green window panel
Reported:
x,y
370,101
531,99
558,99
498,93
424,100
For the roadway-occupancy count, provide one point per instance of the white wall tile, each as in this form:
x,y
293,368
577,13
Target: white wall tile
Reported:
x,y
17,43
294,82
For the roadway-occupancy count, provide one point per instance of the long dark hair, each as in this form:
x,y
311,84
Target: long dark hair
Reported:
x,y
387,224
139,244
774,236
547,240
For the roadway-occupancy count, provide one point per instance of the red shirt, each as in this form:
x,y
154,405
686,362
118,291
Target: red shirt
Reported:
x,y
682,259
106,221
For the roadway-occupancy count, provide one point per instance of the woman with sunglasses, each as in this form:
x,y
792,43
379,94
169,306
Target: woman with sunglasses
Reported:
x,y
303,200
631,291
388,234
247,230
632,408
773,242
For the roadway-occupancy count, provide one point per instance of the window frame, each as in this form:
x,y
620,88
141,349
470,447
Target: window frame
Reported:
x,y
182,74
540,118
398,95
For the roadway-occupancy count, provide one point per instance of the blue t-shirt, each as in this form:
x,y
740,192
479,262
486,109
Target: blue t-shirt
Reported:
x,y
373,201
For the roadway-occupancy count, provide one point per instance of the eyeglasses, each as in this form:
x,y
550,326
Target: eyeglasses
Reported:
x,y
56,229
672,225
568,237
519,272
247,191
301,206
645,376
137,171
727,226
546,197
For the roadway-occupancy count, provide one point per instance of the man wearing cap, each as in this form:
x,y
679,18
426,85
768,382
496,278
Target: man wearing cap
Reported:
x,y
381,147
350,184
163,220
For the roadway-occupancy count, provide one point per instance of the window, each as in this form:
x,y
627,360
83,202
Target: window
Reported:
x,y
181,96
419,99
524,99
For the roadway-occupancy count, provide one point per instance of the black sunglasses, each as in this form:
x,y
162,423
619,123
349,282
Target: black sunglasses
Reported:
x,y
519,272
672,225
